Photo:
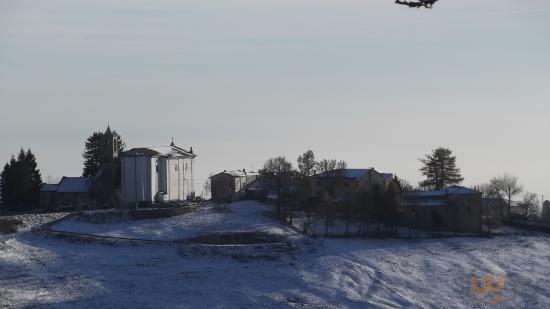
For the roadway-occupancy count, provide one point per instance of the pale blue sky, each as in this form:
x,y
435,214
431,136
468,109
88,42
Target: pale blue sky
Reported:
x,y
369,81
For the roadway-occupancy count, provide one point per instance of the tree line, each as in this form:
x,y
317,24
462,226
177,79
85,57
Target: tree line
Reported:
x,y
20,180
377,204
20,183
293,193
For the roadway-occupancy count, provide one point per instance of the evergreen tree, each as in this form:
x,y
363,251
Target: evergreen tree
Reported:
x,y
93,157
20,183
402,184
93,151
440,169
35,178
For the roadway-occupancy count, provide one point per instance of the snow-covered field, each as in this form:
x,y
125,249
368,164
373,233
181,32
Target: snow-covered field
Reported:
x,y
240,216
36,271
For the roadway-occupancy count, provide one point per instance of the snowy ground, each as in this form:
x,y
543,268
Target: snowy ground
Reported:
x,y
34,220
240,216
36,271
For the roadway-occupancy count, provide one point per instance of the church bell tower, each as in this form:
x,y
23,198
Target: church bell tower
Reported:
x,y
109,145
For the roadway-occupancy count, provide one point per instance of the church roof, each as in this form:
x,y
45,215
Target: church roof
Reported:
x,y
160,151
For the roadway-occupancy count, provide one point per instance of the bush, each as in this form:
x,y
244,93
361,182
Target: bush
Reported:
x,y
8,226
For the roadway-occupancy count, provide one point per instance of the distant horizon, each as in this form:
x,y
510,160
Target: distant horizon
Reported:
x,y
373,83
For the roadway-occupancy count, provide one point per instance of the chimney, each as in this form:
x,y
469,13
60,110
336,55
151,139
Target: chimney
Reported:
x,y
244,171
191,150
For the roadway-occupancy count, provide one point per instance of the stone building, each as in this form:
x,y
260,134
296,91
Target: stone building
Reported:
x,y
229,186
344,184
455,208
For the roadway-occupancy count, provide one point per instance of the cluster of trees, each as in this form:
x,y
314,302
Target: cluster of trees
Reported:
x,y
293,190
376,204
20,180
20,183
507,187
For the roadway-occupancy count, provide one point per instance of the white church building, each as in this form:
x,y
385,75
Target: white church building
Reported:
x,y
157,174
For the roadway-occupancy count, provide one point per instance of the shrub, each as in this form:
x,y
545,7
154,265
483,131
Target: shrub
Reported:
x,y
8,226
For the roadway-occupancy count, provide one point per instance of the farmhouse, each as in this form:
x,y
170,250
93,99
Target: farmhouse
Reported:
x,y
231,186
157,174
455,209
345,183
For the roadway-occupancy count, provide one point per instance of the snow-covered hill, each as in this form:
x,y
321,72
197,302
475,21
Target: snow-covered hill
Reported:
x,y
335,273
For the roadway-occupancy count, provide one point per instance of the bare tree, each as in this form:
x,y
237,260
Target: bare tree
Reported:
x,y
306,163
528,204
507,186
491,197
277,165
280,171
327,210
332,172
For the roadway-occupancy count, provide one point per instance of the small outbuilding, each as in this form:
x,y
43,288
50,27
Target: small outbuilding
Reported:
x,y
231,186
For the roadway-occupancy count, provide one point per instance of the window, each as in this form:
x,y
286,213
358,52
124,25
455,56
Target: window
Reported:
x,y
176,167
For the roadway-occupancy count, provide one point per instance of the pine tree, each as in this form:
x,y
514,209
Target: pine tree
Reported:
x,y
93,152
440,169
35,178
20,183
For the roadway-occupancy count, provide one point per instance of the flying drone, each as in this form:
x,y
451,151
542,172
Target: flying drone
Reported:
x,y
417,4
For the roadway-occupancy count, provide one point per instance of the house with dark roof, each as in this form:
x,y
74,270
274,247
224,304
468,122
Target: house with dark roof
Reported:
x,y
343,184
456,208
73,192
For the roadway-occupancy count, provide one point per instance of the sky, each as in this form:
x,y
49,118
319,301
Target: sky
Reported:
x,y
370,82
